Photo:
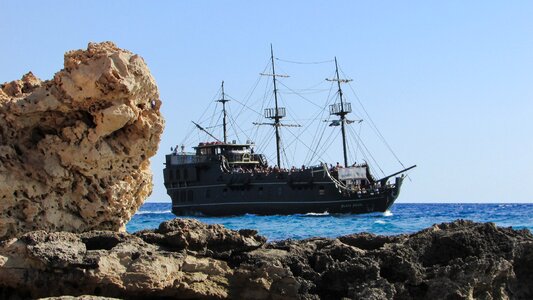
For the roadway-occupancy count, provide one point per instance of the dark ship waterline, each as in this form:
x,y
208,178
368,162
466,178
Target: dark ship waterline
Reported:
x,y
221,178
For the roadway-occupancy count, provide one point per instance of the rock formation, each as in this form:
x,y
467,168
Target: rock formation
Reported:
x,y
188,259
74,150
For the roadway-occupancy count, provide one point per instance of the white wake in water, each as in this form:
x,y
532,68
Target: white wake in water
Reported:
x,y
387,213
145,212
317,214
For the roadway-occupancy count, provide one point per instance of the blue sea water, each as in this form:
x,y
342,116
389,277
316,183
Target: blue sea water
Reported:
x,y
403,218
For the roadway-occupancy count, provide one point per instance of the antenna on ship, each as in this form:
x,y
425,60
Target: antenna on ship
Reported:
x,y
223,101
341,109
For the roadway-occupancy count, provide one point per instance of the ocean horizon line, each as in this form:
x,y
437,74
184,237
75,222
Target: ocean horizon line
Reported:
x,y
169,202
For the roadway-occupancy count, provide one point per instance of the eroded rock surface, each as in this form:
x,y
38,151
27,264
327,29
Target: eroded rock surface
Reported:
x,y
113,264
74,150
188,259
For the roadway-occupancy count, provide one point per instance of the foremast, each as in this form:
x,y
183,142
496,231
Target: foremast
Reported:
x,y
223,101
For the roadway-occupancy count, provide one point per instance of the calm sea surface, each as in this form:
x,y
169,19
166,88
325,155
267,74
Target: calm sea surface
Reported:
x,y
403,218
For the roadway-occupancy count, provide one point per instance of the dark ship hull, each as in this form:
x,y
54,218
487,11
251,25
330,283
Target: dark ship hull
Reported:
x,y
206,189
263,205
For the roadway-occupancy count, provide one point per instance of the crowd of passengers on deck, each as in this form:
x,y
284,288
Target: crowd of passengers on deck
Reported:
x,y
275,169
266,169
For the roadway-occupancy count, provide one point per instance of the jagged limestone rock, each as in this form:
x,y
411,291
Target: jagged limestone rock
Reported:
x,y
186,259
114,264
74,150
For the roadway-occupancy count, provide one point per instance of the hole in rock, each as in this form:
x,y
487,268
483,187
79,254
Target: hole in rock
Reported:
x,y
100,242
38,133
17,150
87,118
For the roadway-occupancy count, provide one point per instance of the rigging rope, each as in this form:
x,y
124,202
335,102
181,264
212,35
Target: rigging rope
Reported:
x,y
235,126
244,106
322,112
296,137
370,154
185,140
300,95
303,62
325,146
294,92
374,127
250,93
358,148
331,98
284,157
329,141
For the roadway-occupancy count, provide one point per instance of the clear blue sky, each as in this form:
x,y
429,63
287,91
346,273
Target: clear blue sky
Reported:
x,y
449,83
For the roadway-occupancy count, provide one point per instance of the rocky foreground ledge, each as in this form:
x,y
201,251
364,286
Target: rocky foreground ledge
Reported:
x,y
188,259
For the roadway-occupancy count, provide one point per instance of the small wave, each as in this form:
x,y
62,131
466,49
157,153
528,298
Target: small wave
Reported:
x,y
155,212
380,222
318,214
387,213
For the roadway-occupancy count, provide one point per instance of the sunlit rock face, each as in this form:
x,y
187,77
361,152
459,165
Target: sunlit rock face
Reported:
x,y
74,150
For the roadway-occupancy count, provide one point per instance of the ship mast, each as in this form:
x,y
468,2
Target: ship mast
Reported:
x,y
277,116
277,112
223,101
341,110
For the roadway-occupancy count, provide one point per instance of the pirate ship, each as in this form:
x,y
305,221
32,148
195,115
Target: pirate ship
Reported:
x,y
229,178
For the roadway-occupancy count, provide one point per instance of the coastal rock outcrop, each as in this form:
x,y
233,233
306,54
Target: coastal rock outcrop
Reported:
x,y
114,264
188,259
74,150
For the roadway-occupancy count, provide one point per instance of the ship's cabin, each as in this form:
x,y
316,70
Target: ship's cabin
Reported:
x,y
233,153
229,153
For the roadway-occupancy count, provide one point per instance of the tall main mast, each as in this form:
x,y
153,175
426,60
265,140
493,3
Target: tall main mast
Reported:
x,y
223,101
341,110
277,116
276,113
